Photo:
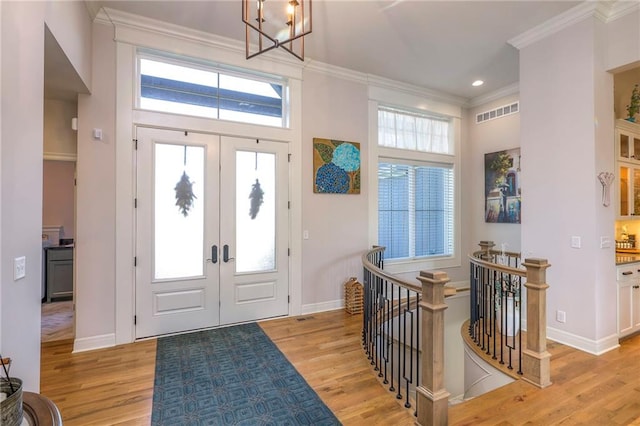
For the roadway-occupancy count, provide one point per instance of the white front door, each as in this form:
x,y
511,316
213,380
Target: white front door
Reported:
x,y
253,230
211,245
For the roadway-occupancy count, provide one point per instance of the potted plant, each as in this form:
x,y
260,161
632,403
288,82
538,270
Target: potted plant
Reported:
x,y
634,105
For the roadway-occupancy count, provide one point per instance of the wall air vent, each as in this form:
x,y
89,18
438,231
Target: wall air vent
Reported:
x,y
498,112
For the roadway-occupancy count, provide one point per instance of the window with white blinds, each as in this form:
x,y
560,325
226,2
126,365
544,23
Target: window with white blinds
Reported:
x,y
415,196
415,210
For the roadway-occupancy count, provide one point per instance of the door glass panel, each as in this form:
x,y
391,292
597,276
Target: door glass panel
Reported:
x,y
636,191
624,191
178,216
624,146
255,211
636,148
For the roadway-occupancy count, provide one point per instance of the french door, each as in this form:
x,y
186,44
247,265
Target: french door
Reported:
x,y
211,231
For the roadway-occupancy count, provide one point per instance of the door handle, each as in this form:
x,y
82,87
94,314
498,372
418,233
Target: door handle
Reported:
x,y
225,254
214,254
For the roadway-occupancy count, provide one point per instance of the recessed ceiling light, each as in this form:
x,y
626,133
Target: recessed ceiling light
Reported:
x,y
477,83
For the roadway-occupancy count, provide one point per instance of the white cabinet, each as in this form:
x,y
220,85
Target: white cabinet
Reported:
x,y
628,141
628,298
628,154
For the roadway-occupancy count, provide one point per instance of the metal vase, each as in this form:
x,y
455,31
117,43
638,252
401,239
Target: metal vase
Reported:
x,y
11,408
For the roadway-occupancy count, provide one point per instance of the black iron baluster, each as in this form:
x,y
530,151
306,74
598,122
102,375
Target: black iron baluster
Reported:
x,y
518,300
398,375
391,351
418,347
409,380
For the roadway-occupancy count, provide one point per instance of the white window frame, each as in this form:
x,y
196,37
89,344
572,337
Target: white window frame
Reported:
x,y
386,98
198,64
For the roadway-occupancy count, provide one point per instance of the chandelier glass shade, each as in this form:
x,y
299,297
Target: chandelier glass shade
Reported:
x,y
276,23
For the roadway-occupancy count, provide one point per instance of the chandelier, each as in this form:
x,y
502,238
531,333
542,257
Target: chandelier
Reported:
x,y
276,23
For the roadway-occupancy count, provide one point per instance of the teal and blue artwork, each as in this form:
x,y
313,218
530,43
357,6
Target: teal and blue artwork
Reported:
x,y
336,166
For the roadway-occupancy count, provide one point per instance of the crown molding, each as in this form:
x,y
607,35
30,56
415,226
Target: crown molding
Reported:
x,y
555,24
335,71
125,20
605,11
622,8
93,8
509,90
370,79
411,89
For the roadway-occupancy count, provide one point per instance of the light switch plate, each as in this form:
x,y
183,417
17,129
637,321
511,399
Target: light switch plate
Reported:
x,y
576,242
19,267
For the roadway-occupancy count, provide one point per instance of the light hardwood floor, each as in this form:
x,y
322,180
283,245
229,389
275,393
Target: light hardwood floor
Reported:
x,y
56,321
114,386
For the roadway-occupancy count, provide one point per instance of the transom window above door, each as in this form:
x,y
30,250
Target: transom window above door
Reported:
x,y
189,88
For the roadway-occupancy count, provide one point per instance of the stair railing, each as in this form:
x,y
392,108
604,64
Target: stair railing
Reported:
x,y
496,305
403,336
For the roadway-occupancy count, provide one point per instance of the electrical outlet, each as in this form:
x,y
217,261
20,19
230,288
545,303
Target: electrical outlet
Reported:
x,y
561,316
605,242
19,267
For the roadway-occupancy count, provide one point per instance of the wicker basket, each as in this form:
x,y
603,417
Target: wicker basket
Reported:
x,y
11,408
353,296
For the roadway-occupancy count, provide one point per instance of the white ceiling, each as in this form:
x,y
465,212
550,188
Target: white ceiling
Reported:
x,y
439,45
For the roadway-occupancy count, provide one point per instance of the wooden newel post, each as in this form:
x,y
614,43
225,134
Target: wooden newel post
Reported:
x,y
486,247
536,361
432,397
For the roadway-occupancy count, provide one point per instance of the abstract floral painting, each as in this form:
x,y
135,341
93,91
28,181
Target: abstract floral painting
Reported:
x,y
336,167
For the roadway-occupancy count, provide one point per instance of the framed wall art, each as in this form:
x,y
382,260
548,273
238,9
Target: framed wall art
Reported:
x,y
502,194
336,167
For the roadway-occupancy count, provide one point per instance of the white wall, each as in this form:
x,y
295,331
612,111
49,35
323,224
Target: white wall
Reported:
x,y
59,137
70,24
333,108
623,41
455,315
58,195
563,87
21,140
22,98
96,188
606,300
480,139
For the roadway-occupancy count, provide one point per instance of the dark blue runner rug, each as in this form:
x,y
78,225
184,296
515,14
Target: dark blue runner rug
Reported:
x,y
231,376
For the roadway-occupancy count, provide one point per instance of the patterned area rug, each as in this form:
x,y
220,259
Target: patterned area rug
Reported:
x,y
231,376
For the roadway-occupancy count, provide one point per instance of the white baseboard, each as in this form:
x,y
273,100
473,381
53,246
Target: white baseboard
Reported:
x,y
331,305
454,400
94,342
595,347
